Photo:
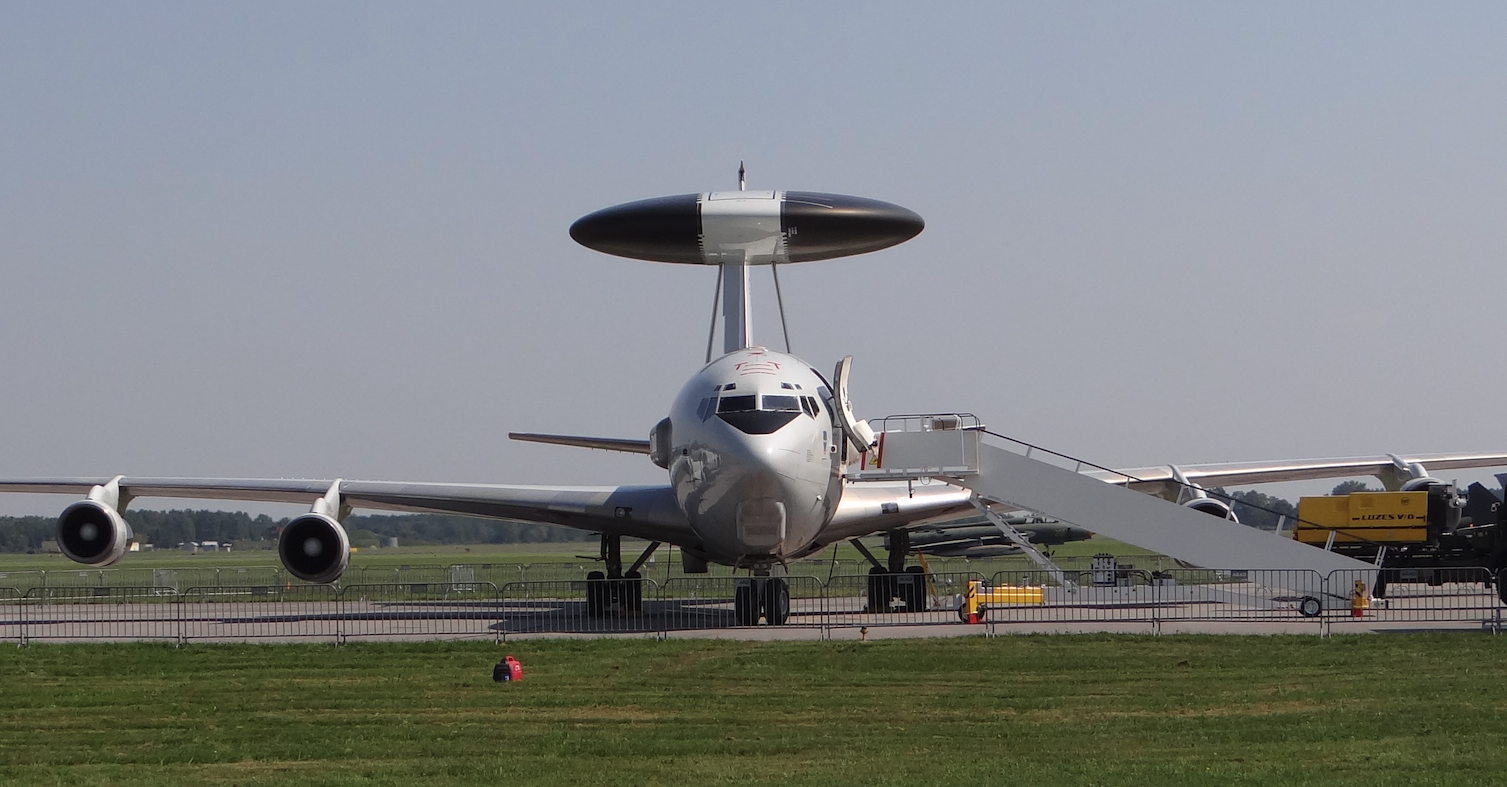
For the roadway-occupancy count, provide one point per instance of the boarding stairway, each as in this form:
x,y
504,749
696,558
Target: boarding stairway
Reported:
x,y
950,448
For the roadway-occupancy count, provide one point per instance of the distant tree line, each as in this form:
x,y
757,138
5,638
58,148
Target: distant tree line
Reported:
x,y
168,529
1261,511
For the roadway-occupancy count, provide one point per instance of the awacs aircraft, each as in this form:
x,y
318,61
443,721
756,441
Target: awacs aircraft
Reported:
x,y
755,444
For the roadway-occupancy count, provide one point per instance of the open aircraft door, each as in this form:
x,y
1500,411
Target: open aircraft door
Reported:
x,y
860,434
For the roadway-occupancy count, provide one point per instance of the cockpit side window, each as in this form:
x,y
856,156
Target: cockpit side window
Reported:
x,y
826,397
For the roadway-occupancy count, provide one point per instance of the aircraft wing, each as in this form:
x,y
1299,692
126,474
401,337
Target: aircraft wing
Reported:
x,y
867,508
602,443
1156,480
647,512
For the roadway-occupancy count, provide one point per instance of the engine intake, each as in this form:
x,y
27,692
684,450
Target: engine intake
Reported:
x,y
314,548
1209,505
93,533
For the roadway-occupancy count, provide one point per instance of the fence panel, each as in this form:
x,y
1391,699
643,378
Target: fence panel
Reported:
x,y
291,613
429,574
711,602
1281,596
99,613
911,598
421,611
1124,597
498,574
1413,595
557,572
581,607
10,615
23,580
240,576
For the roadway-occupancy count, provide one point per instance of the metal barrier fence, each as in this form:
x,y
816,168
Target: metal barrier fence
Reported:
x,y
98,613
421,611
1420,595
10,614
271,612
461,604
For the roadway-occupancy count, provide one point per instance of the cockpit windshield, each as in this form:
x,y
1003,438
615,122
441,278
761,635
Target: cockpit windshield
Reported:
x,y
758,415
781,404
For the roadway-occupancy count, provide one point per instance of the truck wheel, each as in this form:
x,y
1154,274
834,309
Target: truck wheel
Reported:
x,y
1310,607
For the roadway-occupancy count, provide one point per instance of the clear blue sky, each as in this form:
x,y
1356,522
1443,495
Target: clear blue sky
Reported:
x,y
329,239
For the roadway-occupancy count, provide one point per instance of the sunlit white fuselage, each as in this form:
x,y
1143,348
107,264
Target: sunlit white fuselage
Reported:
x,y
755,461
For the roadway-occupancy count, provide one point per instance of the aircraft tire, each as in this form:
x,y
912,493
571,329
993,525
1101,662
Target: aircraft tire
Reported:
x,y
596,595
633,592
776,601
881,590
746,605
914,591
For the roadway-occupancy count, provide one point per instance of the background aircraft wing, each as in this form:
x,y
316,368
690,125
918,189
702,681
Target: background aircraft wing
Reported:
x,y
869,508
1154,480
648,512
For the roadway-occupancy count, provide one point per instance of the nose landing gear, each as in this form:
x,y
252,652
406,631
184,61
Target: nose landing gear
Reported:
x,y
764,596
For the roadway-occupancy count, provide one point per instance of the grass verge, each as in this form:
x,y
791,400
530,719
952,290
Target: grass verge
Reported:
x,y
1028,710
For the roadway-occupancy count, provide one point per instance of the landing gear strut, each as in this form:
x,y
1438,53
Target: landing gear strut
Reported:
x,y
894,587
616,592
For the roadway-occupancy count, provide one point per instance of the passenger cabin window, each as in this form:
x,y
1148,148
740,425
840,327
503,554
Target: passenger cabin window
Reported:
x,y
749,415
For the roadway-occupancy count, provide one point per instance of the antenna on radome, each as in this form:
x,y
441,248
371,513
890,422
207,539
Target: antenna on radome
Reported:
x,y
742,178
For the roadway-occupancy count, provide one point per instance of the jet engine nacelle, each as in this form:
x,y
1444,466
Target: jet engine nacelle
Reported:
x,y
659,444
93,533
1209,505
314,548
1420,484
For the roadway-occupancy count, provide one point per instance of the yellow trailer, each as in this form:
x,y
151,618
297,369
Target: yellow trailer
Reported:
x,y
980,597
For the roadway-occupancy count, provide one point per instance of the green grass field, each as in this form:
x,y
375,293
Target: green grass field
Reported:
x,y
1031,710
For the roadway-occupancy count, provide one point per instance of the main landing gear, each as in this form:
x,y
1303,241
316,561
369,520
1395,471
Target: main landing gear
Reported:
x,y
758,596
615,591
894,587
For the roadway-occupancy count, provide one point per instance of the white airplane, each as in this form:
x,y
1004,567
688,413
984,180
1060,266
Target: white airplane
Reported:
x,y
755,444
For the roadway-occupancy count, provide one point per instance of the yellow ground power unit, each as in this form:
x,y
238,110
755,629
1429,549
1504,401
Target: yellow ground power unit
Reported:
x,y
1371,517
